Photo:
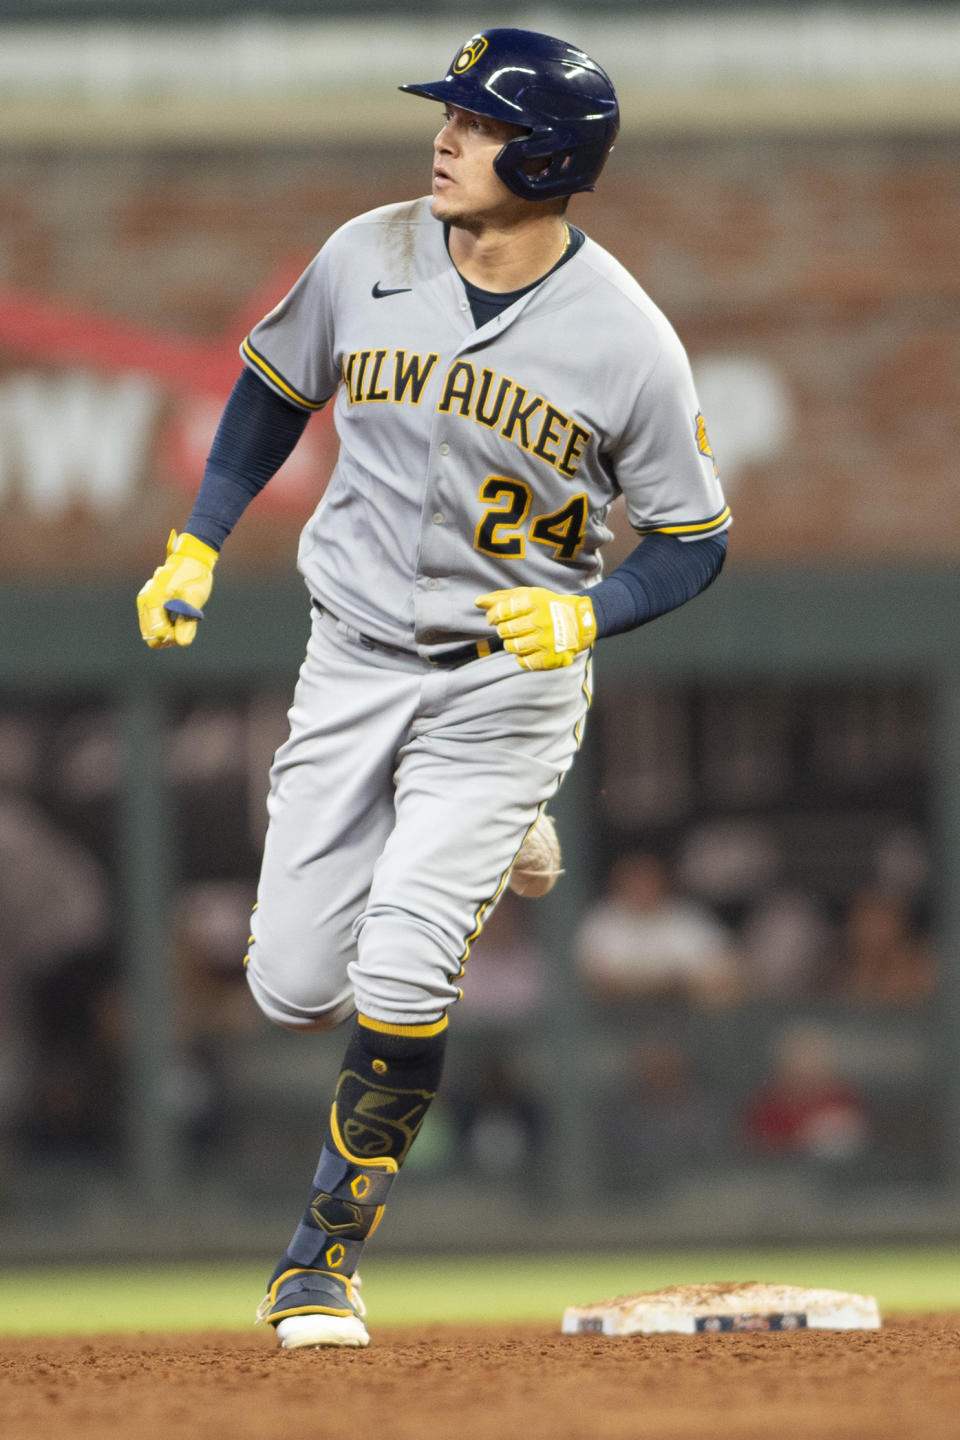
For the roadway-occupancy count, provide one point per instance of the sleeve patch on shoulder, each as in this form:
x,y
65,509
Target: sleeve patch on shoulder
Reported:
x,y
703,444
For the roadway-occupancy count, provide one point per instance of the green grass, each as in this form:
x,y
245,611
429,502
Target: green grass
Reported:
x,y
85,1300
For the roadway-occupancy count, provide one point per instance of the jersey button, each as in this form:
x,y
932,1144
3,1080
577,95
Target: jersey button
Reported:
x,y
432,584
438,518
444,448
464,304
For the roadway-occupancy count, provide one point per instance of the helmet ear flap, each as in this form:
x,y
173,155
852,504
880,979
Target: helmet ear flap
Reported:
x,y
538,167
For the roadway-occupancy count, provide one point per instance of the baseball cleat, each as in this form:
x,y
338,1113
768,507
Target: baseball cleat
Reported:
x,y
313,1308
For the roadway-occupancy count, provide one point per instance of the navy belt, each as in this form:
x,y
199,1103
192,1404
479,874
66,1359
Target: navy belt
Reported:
x,y
463,654
447,659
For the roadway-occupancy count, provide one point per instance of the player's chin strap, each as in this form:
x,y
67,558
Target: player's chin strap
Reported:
x,y
390,1075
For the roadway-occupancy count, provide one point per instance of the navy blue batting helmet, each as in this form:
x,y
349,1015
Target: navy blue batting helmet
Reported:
x,y
558,93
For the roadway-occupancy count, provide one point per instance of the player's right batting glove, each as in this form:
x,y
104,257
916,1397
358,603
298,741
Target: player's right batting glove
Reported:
x,y
544,630
186,579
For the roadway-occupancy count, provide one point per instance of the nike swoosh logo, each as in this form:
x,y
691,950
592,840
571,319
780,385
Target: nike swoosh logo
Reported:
x,y
379,294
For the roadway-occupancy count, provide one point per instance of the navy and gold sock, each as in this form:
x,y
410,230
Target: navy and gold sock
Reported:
x,y
389,1076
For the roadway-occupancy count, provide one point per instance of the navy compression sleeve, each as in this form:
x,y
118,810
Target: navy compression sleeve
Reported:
x,y
257,432
660,574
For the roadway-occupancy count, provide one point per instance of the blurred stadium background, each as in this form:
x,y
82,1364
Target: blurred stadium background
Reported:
x,y
781,759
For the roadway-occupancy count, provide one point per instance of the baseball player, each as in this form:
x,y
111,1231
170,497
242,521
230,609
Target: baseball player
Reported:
x,y
497,381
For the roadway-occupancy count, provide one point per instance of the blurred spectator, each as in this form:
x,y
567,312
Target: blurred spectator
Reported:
x,y
212,1003
642,940
728,860
788,945
207,763
883,959
657,1119
56,962
497,1120
504,973
806,1108
902,861
211,921
88,763
78,1031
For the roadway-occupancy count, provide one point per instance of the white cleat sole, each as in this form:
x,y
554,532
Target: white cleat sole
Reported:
x,y
303,1331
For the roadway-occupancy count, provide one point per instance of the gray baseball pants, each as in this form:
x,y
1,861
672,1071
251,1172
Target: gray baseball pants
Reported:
x,y
396,809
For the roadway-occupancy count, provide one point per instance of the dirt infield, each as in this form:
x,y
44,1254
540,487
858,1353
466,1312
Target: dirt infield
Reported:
x,y
900,1383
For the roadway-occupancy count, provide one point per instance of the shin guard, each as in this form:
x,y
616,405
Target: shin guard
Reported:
x,y
389,1077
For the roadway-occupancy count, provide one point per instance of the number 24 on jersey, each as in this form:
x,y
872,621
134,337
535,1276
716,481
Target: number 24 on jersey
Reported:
x,y
504,527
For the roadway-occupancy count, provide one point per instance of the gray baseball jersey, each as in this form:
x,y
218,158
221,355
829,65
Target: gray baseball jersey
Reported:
x,y
471,459
478,459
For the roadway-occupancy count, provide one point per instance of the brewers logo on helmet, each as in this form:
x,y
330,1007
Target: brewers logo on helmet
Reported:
x,y
470,53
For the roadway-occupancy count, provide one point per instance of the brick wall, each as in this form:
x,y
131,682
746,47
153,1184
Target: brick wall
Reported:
x,y
814,281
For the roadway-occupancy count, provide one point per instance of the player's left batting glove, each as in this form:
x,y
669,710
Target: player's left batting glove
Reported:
x,y
544,630
170,604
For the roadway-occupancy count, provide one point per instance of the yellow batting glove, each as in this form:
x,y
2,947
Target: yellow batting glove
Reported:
x,y
544,630
187,578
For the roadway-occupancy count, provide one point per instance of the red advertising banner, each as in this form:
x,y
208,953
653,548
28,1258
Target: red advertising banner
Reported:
x,y
104,421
